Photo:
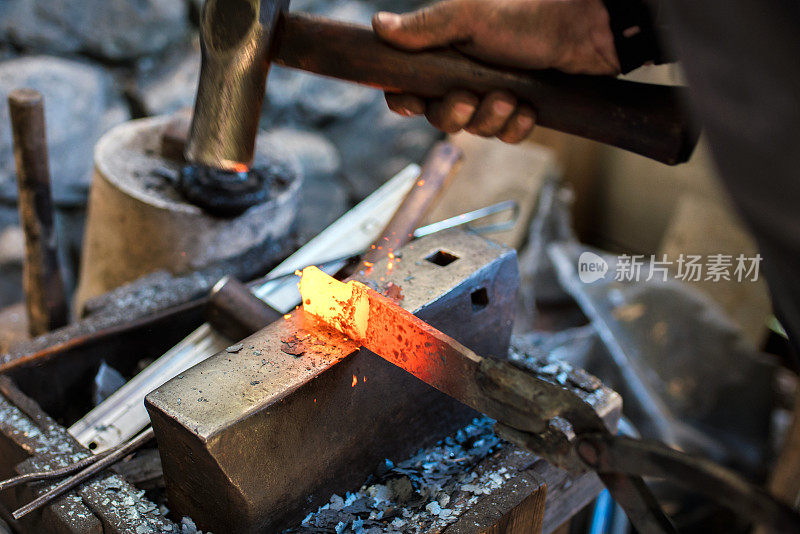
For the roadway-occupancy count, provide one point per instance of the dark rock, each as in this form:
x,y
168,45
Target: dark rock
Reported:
x,y
299,97
80,105
111,29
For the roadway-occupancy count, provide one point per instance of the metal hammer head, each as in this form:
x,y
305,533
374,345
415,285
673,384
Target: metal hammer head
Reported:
x,y
236,38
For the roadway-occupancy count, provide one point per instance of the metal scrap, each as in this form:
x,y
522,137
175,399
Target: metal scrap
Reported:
x,y
293,345
423,493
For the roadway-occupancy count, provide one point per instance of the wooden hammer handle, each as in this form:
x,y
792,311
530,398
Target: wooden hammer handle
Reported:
x,y
643,118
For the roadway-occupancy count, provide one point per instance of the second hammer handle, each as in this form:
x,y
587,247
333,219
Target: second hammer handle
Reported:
x,y
643,118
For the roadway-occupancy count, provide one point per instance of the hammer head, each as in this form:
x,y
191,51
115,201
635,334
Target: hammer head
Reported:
x,y
236,37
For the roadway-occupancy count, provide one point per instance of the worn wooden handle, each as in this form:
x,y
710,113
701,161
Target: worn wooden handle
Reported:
x,y
438,170
643,118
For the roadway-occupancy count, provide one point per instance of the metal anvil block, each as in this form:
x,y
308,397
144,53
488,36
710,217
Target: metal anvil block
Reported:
x,y
256,436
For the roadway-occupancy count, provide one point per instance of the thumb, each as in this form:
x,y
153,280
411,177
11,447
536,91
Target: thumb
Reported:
x,y
437,25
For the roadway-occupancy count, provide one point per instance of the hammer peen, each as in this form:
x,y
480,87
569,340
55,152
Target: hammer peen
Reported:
x,y
240,38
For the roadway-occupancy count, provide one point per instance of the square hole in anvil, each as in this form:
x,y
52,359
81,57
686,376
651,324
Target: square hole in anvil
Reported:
x,y
479,298
442,258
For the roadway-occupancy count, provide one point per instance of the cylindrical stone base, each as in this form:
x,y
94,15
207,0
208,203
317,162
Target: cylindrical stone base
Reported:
x,y
138,223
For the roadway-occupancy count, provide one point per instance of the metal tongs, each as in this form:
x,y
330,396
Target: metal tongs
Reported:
x,y
554,418
621,462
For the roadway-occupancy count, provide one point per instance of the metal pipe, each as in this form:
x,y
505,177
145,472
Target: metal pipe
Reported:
x,y
44,288
236,312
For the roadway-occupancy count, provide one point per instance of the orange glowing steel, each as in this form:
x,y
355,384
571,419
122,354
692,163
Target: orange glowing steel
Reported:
x,y
240,167
343,306
366,316
380,325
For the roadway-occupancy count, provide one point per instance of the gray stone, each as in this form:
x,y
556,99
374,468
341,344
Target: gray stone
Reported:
x,y
168,83
374,143
12,251
80,105
111,29
299,97
323,196
377,144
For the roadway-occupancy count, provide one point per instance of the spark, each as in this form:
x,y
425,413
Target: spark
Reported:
x,y
355,380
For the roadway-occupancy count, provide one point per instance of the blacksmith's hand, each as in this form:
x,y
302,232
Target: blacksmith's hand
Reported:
x,y
568,35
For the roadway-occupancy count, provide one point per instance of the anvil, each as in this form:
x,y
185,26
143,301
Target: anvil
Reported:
x,y
256,436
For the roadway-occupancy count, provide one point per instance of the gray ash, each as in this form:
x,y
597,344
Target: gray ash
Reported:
x,y
421,494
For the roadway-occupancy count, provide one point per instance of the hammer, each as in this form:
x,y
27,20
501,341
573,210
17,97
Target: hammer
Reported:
x,y
240,38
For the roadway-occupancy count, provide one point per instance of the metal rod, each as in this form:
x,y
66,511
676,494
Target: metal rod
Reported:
x,y
85,474
44,288
472,216
437,172
236,312
53,473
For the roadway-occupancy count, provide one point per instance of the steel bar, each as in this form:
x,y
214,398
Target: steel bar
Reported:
x,y
471,216
53,473
44,288
513,397
31,441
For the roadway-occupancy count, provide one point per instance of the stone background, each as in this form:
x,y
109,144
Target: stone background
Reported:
x,y
101,62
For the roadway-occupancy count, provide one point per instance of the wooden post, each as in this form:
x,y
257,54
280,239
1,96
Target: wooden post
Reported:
x,y
44,288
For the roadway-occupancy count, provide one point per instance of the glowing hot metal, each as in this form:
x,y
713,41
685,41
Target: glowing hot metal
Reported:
x,y
395,334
